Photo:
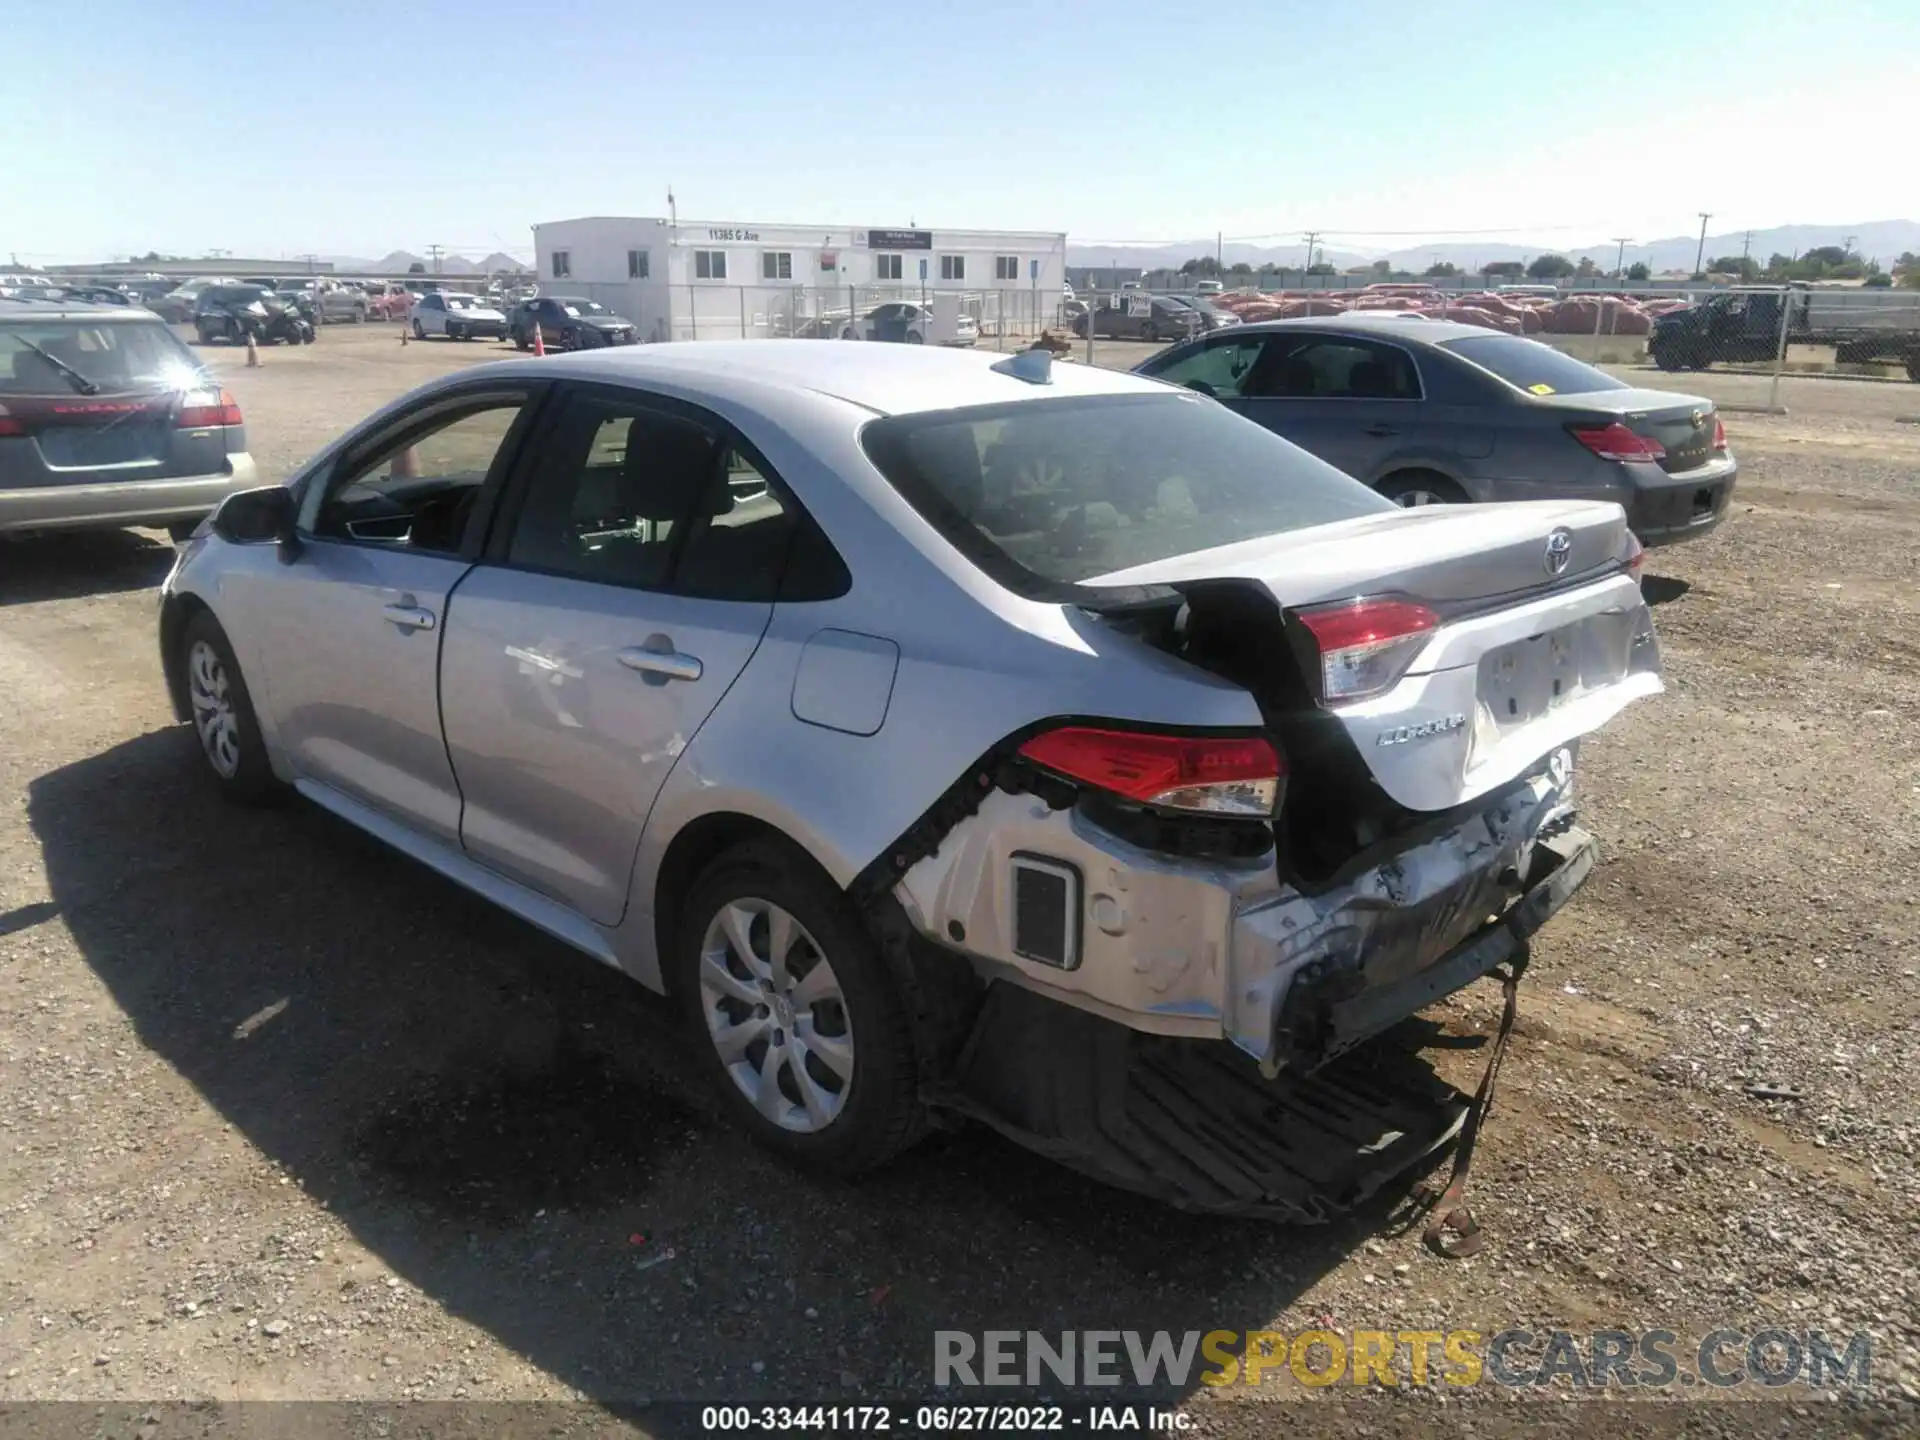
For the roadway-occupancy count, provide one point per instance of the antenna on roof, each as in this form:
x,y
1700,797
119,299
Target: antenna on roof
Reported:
x,y
1033,366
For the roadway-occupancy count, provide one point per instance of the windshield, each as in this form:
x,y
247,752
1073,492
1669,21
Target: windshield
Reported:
x,y
1530,366
118,356
1048,492
577,308
462,302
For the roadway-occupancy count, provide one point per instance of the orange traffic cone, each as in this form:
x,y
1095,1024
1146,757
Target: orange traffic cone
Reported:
x,y
253,353
539,345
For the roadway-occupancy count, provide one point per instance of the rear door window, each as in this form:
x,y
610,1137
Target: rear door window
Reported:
x,y
1530,366
114,356
1333,367
611,502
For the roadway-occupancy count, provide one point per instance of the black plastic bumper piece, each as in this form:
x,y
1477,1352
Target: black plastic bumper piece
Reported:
x,y
1192,1123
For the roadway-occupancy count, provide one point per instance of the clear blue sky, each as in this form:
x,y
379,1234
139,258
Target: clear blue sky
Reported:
x,y
281,128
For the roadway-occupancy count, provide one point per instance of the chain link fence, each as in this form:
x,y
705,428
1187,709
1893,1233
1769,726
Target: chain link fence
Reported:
x,y
1000,318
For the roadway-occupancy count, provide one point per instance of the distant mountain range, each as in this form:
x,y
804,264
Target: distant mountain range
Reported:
x,y
1880,240
400,261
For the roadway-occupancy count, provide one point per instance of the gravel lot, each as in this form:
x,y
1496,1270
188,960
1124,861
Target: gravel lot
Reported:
x,y
282,1116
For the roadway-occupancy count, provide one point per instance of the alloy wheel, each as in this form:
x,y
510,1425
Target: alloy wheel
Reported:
x,y
1409,498
776,1014
214,717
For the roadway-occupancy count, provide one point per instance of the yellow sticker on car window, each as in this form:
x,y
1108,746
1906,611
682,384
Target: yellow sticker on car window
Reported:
x,y
1541,389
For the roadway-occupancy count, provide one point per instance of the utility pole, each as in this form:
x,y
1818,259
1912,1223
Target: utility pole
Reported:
x,y
1847,249
1312,237
313,262
1700,252
1620,256
1219,253
1746,244
435,252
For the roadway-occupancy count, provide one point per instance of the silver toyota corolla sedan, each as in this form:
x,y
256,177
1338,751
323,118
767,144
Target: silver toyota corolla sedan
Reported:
x,y
947,733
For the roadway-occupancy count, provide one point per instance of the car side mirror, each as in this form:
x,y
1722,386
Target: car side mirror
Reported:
x,y
259,517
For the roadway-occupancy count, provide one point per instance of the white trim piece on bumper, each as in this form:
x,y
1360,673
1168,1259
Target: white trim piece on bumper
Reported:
x,y
125,502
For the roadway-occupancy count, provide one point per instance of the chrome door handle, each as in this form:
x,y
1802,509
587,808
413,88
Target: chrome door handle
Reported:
x,y
664,664
409,617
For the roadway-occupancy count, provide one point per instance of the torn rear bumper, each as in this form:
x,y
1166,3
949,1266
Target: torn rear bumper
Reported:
x,y
1193,1124
1212,950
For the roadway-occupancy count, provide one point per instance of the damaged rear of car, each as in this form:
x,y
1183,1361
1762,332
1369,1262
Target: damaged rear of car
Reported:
x,y
1394,824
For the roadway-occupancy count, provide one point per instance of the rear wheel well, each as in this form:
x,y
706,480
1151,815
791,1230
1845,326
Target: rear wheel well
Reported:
x,y
1419,477
174,616
697,846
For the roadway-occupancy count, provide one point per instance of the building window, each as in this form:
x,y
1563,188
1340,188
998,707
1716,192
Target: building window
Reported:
x,y
776,264
1006,267
886,267
709,264
953,267
639,264
563,265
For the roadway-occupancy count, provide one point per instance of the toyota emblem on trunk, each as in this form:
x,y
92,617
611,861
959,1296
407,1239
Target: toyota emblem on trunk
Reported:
x,y
1559,551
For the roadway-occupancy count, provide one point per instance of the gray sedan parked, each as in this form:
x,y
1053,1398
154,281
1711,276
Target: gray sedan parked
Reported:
x,y
1037,742
1428,412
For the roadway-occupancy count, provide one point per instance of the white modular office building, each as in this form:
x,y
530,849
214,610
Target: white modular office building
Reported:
x,y
695,279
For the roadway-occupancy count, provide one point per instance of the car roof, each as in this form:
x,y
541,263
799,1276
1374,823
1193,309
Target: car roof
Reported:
x,y
23,309
885,379
1402,325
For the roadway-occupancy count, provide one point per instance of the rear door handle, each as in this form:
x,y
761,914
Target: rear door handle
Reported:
x,y
1380,427
409,617
663,664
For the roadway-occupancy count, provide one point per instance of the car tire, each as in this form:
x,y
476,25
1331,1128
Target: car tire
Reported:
x,y
914,337
452,332
419,331
521,342
1411,488
1150,333
221,709
848,1101
359,317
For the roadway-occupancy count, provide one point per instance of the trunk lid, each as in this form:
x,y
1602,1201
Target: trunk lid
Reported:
x,y
1524,660
1683,424
1446,555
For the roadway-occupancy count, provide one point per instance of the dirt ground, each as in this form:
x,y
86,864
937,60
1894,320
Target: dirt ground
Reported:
x,y
283,1116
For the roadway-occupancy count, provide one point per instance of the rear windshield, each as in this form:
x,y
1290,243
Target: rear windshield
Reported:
x,y
1530,366
1045,493
117,356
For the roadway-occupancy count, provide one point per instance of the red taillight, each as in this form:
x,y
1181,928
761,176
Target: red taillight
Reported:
x,y
1719,434
1215,775
1365,646
197,412
1617,442
11,424
1636,555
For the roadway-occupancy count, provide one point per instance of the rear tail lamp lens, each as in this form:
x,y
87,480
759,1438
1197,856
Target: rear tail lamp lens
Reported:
x,y
202,408
1365,646
1719,434
1636,555
1617,442
11,424
1233,776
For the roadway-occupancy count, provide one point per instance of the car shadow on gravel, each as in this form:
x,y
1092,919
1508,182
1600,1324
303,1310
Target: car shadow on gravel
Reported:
x,y
59,566
511,1128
